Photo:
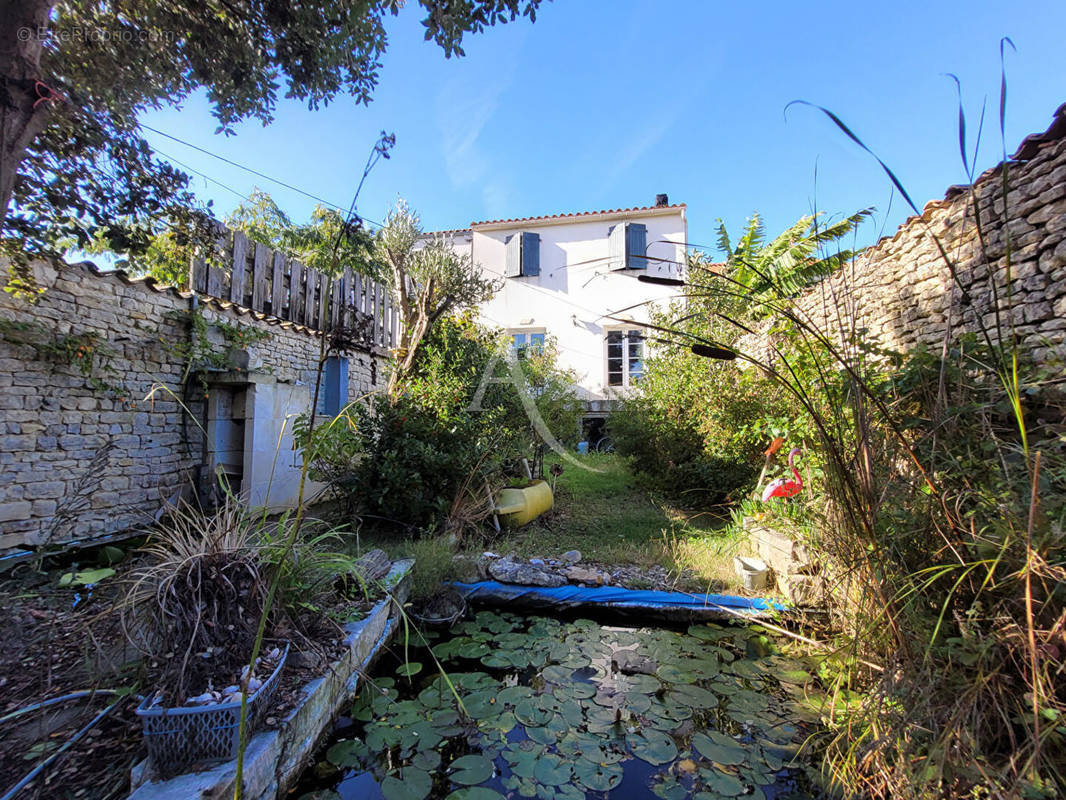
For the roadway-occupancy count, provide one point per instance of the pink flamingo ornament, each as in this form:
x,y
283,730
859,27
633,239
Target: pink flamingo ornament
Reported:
x,y
785,487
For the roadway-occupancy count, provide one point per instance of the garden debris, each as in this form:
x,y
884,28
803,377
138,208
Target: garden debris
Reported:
x,y
507,570
264,666
630,662
586,575
372,566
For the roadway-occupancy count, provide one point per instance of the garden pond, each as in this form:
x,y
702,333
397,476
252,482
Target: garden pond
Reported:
x,y
532,707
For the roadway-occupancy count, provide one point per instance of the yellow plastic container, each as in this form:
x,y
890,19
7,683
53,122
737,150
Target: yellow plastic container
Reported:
x,y
516,507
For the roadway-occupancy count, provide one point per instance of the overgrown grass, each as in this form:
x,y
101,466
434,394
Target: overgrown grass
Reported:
x,y
611,520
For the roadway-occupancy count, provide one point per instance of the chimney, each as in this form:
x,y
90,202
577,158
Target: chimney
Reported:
x,y
661,201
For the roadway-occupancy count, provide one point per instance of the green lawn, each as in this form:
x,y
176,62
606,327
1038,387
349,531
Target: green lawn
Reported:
x,y
606,516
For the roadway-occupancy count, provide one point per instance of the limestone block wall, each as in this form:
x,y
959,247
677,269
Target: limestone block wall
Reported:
x,y
87,456
901,293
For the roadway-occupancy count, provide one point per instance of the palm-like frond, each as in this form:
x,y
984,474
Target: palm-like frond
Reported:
x,y
724,243
796,258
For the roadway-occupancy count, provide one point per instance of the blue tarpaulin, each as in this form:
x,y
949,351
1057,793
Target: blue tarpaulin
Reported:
x,y
669,605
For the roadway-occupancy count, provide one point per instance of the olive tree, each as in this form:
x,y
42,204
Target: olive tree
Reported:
x,y
429,280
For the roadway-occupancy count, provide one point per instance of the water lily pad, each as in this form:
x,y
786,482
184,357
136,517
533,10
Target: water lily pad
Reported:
x,y
421,735
521,762
482,704
347,753
446,722
672,673
512,695
708,632
725,784
670,789
719,748
599,719
475,793
557,674
531,712
429,760
747,700
551,770
645,684
415,784
582,691
409,668
541,735
497,660
692,696
380,737
503,723
597,776
471,769
652,746
637,703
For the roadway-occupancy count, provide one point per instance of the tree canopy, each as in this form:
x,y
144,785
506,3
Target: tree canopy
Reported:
x,y
324,243
73,164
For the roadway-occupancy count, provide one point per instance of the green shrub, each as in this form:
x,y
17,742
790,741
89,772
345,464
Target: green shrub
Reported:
x,y
405,464
695,428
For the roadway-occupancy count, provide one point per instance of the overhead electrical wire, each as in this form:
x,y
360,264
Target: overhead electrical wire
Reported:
x,y
244,167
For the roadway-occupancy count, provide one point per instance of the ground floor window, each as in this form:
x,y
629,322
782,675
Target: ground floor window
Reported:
x,y
521,343
625,357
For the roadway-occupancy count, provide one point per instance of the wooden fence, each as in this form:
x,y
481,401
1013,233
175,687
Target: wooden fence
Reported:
x,y
262,279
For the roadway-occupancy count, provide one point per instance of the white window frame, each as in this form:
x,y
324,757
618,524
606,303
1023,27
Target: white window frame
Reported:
x,y
628,379
527,333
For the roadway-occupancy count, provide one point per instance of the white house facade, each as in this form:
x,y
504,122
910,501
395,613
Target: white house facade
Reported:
x,y
574,278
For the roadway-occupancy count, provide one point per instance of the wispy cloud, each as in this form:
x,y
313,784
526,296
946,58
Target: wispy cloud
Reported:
x,y
464,106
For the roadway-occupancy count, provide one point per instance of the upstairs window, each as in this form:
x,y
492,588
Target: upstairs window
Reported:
x,y
522,343
625,357
523,255
627,244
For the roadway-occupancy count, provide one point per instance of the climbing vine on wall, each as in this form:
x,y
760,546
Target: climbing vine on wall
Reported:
x,y
200,354
88,352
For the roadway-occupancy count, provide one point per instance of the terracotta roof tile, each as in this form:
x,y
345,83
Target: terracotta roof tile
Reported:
x,y
445,232
576,214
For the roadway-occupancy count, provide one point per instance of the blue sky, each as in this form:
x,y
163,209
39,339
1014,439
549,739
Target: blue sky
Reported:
x,y
603,104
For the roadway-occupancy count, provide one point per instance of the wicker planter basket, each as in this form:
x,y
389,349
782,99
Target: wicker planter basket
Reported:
x,y
180,737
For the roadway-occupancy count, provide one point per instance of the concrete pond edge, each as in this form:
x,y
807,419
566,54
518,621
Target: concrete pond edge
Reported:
x,y
275,758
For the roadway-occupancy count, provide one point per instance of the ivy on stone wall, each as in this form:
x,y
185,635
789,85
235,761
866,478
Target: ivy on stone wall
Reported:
x,y
88,352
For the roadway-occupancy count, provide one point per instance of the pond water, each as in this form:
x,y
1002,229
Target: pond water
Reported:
x,y
532,707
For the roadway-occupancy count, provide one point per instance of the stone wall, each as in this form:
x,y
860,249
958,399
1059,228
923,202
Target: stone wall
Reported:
x,y
901,292
80,461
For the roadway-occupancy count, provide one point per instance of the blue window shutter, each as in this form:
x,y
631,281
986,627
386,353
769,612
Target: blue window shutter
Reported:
x,y
637,241
513,267
616,246
335,378
531,254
